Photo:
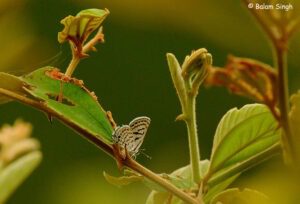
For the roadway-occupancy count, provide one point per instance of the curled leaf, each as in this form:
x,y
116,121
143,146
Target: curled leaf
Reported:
x,y
195,68
78,28
188,77
249,78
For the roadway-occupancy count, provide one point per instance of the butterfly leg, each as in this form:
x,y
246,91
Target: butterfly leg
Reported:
x,y
120,155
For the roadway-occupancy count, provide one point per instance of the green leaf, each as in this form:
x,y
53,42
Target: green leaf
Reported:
x,y
235,196
158,198
195,67
178,181
15,173
12,83
78,104
223,174
185,175
131,177
78,28
123,180
178,81
242,134
215,189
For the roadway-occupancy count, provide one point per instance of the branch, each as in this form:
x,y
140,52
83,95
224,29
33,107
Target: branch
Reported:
x,y
81,52
132,164
129,162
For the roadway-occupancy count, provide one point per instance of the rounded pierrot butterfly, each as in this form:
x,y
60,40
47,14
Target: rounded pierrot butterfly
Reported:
x,y
132,136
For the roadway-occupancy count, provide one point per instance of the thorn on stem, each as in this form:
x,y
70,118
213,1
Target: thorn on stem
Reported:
x,y
180,117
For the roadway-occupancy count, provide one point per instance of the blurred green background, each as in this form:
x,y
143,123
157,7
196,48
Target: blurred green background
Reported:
x,y
130,76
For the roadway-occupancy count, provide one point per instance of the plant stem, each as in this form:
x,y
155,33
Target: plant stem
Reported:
x,y
162,182
98,38
190,119
106,147
72,66
185,88
279,39
283,99
40,105
77,54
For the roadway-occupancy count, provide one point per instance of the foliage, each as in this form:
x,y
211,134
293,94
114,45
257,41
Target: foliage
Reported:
x,y
19,156
244,137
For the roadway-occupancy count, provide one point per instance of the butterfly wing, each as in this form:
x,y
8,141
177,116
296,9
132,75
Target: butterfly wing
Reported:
x,y
121,134
139,127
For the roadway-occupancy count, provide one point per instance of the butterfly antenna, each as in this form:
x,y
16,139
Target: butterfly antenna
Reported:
x,y
142,151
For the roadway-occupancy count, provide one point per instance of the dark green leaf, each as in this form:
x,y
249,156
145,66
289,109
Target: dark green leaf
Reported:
x,y
78,104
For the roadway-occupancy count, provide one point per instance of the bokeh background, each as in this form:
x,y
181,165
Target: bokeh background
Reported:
x,y
129,74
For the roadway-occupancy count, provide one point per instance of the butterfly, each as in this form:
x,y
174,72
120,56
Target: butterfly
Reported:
x,y
132,136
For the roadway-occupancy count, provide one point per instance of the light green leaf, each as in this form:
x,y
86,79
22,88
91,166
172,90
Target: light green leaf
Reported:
x,y
178,181
123,180
12,83
242,134
195,67
235,196
175,71
78,104
131,177
239,167
158,198
78,28
215,189
184,173
15,173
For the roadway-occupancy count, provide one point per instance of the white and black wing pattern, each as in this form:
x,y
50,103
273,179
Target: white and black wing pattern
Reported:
x,y
132,136
139,127
121,134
